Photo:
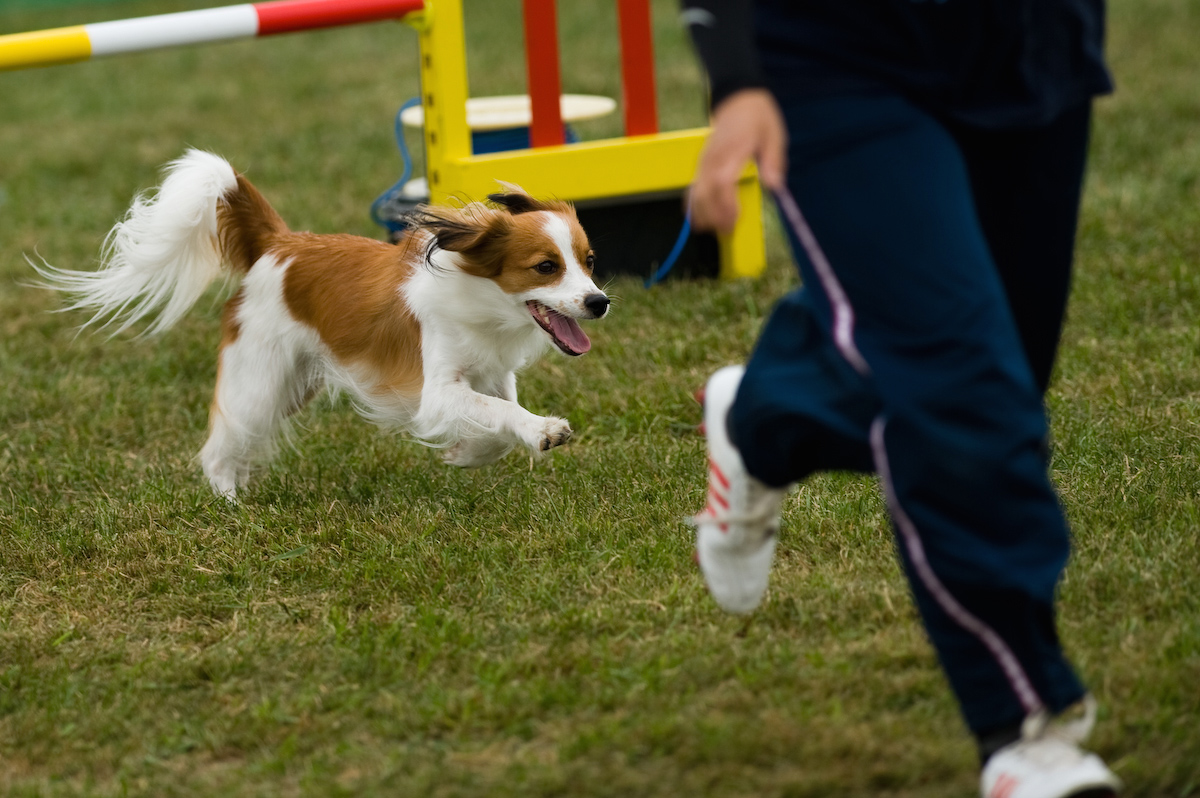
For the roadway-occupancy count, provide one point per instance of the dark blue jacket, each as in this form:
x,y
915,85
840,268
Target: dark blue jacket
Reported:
x,y
994,63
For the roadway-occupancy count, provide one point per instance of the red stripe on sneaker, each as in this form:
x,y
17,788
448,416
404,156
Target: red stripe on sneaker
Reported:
x,y
715,470
713,496
1004,786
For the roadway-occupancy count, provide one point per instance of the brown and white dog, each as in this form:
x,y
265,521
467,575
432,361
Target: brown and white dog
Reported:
x,y
426,336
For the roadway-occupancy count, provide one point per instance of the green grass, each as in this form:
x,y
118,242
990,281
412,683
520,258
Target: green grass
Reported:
x,y
369,622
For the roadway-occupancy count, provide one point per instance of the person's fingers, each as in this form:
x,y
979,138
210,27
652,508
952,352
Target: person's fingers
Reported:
x,y
713,199
746,127
724,207
771,150
772,159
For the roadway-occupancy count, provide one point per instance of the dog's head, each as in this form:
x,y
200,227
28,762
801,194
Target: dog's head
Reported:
x,y
534,250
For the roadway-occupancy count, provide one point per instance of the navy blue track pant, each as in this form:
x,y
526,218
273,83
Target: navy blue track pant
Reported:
x,y
935,262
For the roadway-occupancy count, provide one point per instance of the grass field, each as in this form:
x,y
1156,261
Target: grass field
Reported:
x,y
369,622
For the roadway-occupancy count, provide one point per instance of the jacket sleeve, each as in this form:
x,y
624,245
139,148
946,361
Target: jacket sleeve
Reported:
x,y
723,32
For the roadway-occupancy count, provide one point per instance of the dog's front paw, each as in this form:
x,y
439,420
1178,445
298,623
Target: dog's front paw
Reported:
x,y
555,432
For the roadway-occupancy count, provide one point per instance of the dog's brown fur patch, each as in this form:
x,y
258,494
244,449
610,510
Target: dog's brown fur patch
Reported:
x,y
347,288
245,221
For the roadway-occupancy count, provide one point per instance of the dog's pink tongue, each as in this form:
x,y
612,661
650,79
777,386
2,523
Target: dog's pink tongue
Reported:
x,y
568,333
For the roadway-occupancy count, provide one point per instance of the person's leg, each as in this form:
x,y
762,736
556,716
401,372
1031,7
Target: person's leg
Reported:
x,y
1027,185
801,407
960,420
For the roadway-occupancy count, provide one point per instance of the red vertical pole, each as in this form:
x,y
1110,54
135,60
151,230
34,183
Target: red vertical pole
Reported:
x,y
637,67
541,65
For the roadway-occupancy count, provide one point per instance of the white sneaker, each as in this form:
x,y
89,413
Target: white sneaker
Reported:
x,y
735,534
1047,763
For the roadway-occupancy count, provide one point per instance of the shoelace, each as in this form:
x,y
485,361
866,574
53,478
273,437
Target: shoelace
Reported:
x,y
1049,744
1040,725
708,516
1053,742
763,509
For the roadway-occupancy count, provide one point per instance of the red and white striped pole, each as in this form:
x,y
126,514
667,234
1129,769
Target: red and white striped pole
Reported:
x,y
82,42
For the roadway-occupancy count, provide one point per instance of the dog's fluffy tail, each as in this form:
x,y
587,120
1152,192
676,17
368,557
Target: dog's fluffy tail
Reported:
x,y
172,245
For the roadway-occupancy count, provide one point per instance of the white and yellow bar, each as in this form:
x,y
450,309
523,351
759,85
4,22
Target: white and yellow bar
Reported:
x,y
173,30
82,42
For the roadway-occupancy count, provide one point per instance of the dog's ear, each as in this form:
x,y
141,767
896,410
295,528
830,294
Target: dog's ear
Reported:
x,y
515,202
458,235
512,188
474,231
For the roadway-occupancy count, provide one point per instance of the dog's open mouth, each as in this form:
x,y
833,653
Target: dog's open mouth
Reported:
x,y
563,330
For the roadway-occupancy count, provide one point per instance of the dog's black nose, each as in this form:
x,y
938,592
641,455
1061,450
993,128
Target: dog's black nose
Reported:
x,y
597,304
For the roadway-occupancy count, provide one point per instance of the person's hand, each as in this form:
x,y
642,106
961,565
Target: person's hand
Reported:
x,y
746,126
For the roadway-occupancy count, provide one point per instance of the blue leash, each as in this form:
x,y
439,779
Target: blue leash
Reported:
x,y
669,263
407,158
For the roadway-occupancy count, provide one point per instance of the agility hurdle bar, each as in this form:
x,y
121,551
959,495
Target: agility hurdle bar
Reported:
x,y
82,42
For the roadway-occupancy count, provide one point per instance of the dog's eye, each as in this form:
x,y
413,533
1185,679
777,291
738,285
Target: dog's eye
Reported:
x,y
546,267
591,261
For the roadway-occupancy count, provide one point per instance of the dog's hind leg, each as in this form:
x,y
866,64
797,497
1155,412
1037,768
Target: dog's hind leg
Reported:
x,y
259,384
223,459
476,452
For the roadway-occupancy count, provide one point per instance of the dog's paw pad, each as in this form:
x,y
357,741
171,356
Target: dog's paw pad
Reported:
x,y
556,433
